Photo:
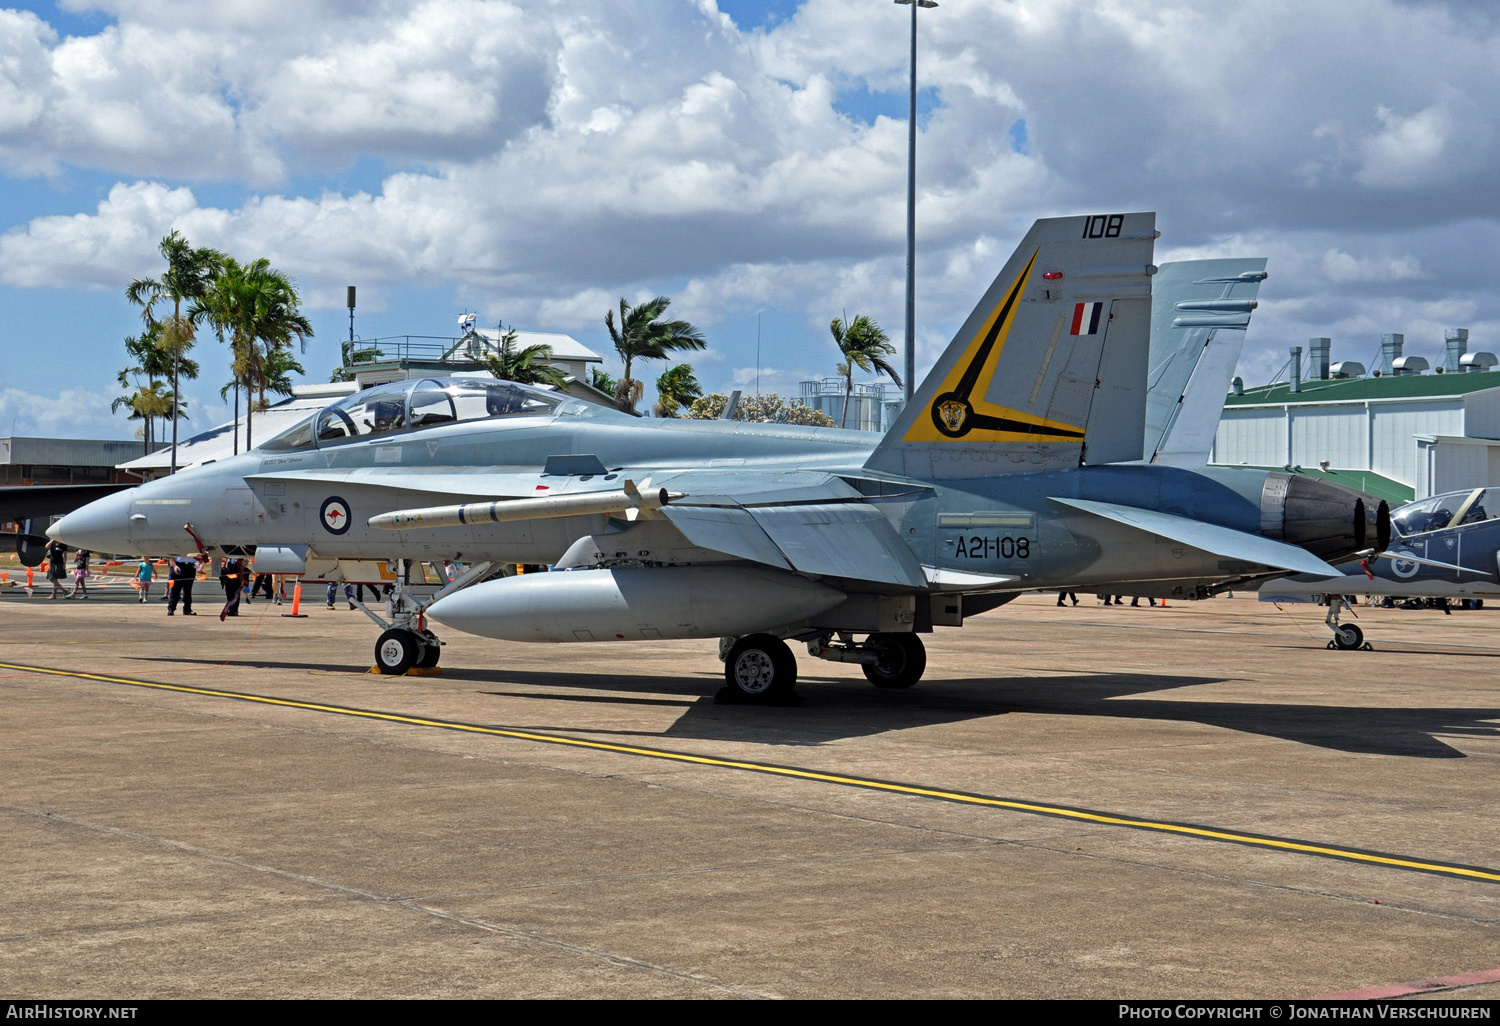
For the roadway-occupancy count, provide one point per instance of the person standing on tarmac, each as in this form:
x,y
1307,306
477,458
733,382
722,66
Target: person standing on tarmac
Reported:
x,y
232,577
181,576
80,575
261,583
57,567
144,575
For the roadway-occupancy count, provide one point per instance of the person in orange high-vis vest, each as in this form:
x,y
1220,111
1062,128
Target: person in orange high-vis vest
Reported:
x,y
232,577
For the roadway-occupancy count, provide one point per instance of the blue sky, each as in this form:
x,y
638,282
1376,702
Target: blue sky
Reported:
x,y
535,162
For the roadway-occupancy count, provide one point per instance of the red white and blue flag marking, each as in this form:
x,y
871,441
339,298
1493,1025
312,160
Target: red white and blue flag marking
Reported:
x,y
1086,319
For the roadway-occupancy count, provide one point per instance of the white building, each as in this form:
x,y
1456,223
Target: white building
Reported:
x,y
1402,432
401,357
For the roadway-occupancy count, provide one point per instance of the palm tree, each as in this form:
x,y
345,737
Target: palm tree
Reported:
x,y
151,400
154,359
254,303
148,403
642,335
280,321
525,366
675,389
280,365
189,276
864,346
602,381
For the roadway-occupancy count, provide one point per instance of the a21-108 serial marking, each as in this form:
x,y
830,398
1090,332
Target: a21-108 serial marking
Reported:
x,y
979,546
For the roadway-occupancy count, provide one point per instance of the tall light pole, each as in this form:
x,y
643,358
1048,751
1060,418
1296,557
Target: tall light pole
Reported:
x,y
911,204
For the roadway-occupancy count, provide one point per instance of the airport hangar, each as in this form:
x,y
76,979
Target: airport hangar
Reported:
x,y
1403,432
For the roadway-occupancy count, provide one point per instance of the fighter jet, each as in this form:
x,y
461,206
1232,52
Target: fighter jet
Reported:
x,y
1445,546
1017,466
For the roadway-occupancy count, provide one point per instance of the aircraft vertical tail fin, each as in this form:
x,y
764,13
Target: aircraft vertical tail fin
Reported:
x,y
1049,370
1199,312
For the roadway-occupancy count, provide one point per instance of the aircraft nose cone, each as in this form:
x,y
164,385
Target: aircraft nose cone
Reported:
x,y
102,526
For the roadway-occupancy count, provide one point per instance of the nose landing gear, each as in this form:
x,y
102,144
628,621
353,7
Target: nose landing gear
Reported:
x,y
406,644
1346,637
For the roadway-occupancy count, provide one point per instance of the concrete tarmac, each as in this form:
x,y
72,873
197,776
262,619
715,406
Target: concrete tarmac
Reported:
x,y
1200,801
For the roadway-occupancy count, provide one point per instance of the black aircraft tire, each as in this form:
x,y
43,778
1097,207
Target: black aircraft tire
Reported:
x,y
760,667
397,651
901,659
1348,636
431,652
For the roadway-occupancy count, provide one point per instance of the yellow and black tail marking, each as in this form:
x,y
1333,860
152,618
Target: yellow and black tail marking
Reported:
x,y
954,414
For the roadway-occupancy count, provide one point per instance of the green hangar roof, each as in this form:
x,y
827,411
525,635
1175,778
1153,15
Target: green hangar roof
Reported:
x,y
1396,386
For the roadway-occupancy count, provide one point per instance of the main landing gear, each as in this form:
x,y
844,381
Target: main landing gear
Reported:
x,y
761,668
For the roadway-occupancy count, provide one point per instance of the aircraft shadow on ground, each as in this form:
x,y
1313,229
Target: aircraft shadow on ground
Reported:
x,y
837,708
833,709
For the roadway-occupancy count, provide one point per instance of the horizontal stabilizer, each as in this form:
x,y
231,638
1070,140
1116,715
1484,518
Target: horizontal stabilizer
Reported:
x,y
1221,541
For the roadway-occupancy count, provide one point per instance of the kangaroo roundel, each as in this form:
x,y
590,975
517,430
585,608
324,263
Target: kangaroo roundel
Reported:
x,y
335,515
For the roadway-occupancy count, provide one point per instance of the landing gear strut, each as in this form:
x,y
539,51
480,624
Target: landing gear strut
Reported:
x,y
889,660
900,660
1347,637
761,668
406,642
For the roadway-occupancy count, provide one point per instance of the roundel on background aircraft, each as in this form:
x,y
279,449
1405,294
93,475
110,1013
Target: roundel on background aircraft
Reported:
x,y
1402,567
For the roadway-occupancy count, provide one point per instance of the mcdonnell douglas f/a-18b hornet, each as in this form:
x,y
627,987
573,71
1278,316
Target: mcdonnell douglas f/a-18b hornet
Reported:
x,y
1016,466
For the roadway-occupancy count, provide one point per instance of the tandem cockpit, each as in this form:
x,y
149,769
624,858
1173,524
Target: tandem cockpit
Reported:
x,y
1451,509
404,406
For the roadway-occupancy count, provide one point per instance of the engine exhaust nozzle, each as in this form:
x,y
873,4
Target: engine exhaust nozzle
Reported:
x,y
1332,521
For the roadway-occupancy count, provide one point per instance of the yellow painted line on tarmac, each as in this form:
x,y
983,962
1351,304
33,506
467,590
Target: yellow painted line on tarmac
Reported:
x,y
894,787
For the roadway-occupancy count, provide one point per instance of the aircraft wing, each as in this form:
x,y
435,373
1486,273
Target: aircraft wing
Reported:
x,y
814,523
851,540
1221,541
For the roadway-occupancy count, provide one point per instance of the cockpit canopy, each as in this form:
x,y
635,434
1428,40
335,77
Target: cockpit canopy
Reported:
x,y
401,406
1451,509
